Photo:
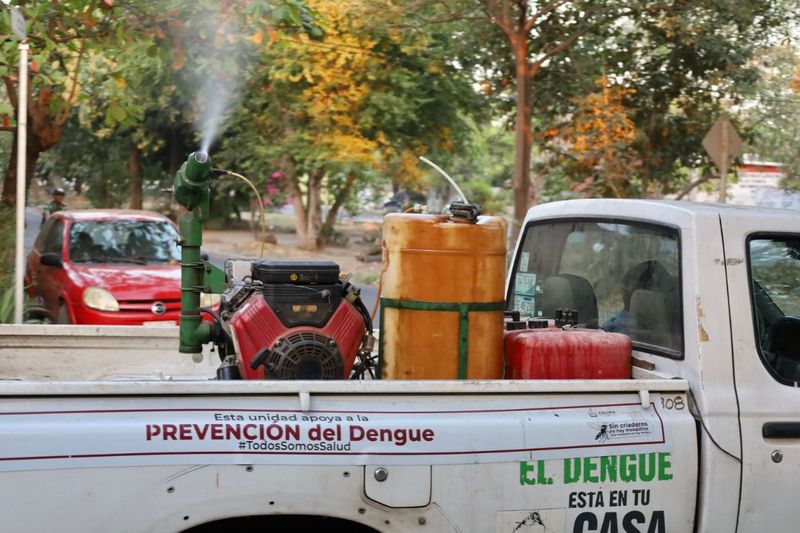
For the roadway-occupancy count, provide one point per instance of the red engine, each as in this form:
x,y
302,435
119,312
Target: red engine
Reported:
x,y
296,320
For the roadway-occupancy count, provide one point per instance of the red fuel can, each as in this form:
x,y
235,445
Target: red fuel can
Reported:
x,y
556,353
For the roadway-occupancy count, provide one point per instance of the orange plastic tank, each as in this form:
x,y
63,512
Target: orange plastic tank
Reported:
x,y
442,297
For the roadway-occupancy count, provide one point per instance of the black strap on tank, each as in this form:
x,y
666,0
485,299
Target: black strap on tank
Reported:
x,y
463,309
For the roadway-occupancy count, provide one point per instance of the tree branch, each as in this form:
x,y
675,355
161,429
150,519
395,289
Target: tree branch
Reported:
x,y
549,8
567,43
501,17
536,66
68,104
691,185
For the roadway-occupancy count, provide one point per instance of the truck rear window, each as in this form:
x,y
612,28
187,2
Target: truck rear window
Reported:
x,y
618,276
774,273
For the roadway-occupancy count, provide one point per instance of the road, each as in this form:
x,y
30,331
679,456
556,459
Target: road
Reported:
x,y
33,219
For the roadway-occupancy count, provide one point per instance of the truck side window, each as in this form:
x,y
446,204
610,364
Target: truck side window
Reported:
x,y
618,276
774,263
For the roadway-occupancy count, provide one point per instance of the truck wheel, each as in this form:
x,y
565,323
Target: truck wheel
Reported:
x,y
63,315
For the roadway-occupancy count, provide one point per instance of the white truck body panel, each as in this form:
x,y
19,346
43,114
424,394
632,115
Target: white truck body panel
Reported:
x,y
36,353
768,485
492,462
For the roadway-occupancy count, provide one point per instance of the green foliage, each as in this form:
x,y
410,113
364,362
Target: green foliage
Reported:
x,y
61,35
99,167
7,246
773,125
32,312
681,62
357,90
360,104
482,168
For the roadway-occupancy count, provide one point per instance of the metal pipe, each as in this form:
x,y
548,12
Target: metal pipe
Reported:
x,y
192,191
22,159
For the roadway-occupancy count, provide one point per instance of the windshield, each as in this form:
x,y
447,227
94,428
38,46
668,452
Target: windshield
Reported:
x,y
123,241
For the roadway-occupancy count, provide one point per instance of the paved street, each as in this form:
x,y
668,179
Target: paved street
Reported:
x,y
33,219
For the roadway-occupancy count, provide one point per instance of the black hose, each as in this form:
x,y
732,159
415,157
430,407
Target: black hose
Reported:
x,y
212,313
219,336
359,305
361,308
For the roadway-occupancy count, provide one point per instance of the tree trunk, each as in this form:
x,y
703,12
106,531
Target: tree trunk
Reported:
x,y
296,197
10,181
523,138
136,174
514,19
312,240
44,131
341,198
298,206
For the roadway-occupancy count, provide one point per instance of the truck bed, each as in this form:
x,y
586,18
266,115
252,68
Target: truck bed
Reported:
x,y
101,360
104,412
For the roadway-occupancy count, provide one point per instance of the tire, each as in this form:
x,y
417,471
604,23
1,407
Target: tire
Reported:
x,y
63,315
37,316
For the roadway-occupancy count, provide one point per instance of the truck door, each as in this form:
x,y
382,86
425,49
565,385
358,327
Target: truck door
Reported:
x,y
763,272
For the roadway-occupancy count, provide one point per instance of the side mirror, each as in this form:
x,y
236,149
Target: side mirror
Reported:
x,y
52,260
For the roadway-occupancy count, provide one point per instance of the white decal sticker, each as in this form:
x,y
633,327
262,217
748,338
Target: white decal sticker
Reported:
x,y
526,305
526,284
524,259
236,431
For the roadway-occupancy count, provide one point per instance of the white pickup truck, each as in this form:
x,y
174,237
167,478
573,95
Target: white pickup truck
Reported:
x,y
113,430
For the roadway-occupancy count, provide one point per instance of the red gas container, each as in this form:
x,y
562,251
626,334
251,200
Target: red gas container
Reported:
x,y
556,353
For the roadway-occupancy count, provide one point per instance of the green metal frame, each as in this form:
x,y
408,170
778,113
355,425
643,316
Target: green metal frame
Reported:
x,y
463,309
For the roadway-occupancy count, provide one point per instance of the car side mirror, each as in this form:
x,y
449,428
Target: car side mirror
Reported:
x,y
52,260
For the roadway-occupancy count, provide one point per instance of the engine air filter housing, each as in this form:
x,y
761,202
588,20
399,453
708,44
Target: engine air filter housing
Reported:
x,y
296,272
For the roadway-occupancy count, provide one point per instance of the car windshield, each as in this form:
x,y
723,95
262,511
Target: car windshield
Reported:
x,y
123,241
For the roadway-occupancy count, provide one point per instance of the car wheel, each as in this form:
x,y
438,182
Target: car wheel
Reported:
x,y
37,315
63,315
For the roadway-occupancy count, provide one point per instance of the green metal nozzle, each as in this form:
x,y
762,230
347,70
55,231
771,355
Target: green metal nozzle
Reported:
x,y
191,183
192,191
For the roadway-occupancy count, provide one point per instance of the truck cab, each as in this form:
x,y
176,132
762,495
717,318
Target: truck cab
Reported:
x,y
707,293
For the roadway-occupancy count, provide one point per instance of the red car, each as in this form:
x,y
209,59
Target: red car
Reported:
x,y
112,267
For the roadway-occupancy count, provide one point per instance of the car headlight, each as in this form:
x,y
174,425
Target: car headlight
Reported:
x,y
100,299
209,300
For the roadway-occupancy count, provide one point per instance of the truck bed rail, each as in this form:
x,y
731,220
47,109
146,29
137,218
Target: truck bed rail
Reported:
x,y
379,387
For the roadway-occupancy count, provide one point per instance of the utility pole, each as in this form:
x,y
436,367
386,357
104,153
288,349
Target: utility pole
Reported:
x,y
18,27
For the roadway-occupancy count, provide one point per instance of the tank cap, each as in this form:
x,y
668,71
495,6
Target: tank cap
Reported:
x,y
465,212
538,323
514,325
